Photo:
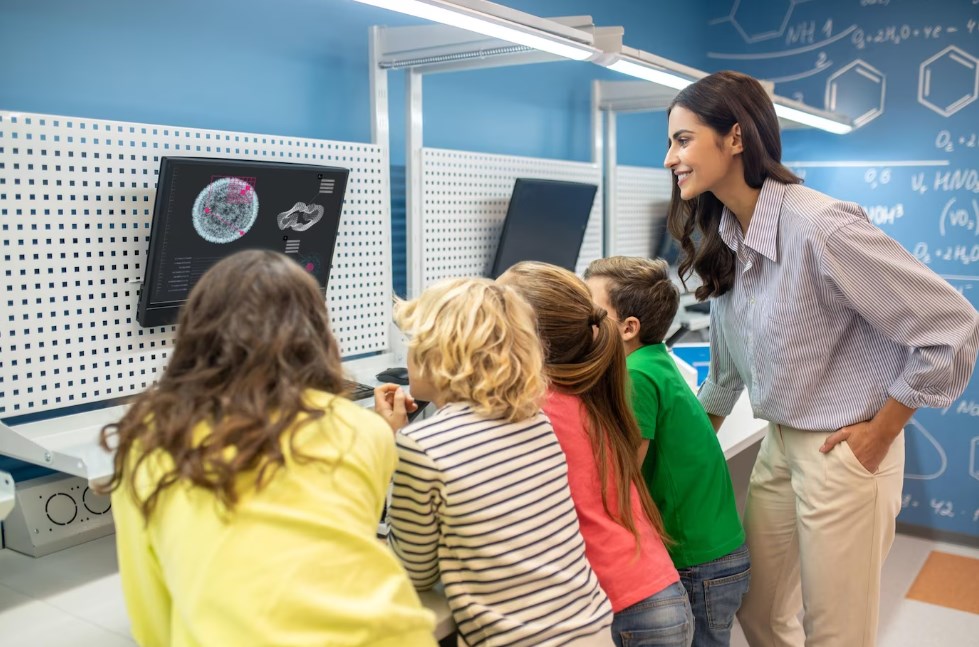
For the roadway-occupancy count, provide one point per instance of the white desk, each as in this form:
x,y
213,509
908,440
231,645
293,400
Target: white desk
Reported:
x,y
741,429
70,443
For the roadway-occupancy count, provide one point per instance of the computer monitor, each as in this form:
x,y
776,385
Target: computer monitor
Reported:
x,y
669,248
546,221
207,209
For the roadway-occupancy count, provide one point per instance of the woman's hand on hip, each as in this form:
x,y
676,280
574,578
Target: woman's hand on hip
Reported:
x,y
868,442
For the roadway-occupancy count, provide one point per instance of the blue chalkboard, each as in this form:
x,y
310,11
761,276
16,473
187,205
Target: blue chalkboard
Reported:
x,y
907,72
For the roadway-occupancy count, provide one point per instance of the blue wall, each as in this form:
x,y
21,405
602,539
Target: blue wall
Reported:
x,y
282,67
923,191
299,67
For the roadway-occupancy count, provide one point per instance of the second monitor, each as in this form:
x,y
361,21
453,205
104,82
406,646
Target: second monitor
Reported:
x,y
545,221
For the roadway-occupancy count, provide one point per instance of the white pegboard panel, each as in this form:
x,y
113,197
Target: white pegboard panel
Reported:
x,y
464,203
642,198
76,202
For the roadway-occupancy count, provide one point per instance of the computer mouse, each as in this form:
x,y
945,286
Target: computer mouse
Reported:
x,y
394,375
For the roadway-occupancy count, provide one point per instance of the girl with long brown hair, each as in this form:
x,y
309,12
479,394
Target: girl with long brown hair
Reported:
x,y
246,491
588,406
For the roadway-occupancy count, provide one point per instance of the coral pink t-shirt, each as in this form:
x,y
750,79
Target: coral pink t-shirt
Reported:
x,y
626,577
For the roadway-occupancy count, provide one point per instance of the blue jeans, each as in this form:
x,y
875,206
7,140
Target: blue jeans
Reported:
x,y
715,591
661,620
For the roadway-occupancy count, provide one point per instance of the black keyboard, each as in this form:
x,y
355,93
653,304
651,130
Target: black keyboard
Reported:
x,y
357,391
702,307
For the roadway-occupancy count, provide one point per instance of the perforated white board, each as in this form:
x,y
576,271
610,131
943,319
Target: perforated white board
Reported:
x,y
642,199
464,203
76,202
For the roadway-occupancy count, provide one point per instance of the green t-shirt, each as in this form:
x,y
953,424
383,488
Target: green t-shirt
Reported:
x,y
685,468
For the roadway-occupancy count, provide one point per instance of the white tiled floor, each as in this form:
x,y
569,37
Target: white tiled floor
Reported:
x,y
909,623
72,599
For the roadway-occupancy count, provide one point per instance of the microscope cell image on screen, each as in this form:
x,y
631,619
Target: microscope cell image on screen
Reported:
x,y
301,217
207,209
226,209
312,263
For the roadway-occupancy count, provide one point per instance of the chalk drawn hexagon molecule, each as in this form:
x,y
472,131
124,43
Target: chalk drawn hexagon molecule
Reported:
x,y
857,90
225,210
948,81
758,20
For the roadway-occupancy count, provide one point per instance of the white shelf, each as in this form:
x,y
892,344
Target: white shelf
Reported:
x,y
70,443
67,444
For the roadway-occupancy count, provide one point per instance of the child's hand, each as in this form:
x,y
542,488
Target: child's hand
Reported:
x,y
393,405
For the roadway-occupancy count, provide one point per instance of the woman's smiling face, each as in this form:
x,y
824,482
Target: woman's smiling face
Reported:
x,y
700,158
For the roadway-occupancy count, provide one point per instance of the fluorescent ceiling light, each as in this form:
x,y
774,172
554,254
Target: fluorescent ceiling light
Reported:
x,y
815,121
677,82
669,74
471,20
650,74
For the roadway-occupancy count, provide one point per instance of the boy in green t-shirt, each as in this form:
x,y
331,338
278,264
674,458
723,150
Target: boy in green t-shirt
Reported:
x,y
684,466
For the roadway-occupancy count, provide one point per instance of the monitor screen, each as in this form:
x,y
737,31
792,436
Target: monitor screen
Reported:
x,y
546,221
207,209
669,248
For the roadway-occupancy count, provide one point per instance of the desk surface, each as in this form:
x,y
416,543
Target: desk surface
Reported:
x,y
69,443
741,429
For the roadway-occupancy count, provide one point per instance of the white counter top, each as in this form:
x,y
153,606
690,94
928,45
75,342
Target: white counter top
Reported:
x,y
70,443
741,429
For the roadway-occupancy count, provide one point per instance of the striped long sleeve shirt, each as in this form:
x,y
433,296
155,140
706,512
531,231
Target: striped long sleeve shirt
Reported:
x,y
485,505
828,317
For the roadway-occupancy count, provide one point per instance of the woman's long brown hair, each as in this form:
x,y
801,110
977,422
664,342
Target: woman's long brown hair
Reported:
x,y
253,336
720,101
591,366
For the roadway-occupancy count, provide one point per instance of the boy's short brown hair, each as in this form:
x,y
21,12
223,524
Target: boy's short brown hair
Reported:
x,y
640,288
